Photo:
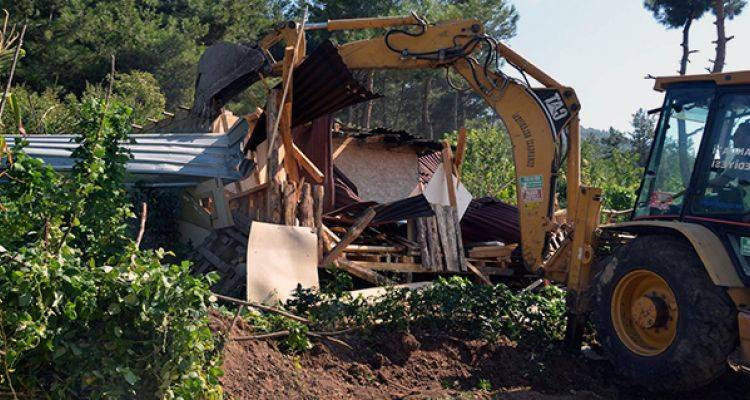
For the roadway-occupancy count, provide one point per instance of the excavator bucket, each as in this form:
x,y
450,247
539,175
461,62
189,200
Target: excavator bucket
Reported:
x,y
225,70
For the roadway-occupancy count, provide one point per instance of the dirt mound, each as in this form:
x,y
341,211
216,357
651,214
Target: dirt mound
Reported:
x,y
388,365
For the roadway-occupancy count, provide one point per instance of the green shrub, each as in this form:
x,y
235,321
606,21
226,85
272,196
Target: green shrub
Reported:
x,y
449,305
83,312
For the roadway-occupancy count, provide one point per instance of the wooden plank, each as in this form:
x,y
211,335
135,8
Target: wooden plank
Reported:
x,y
285,123
460,151
354,231
447,238
456,230
492,251
190,232
484,278
236,236
212,258
424,248
276,175
330,233
290,204
305,207
384,266
328,244
355,248
448,170
436,249
307,165
362,273
342,147
318,194
248,192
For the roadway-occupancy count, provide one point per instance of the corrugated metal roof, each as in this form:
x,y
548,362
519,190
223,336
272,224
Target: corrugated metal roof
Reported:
x,y
158,158
323,84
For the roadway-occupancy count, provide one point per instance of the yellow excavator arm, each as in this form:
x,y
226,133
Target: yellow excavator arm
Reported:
x,y
540,122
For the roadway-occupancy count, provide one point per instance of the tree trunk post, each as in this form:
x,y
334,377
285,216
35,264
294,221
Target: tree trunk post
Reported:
x,y
367,112
721,37
426,124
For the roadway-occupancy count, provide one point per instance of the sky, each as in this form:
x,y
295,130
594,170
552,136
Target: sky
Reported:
x,y
605,48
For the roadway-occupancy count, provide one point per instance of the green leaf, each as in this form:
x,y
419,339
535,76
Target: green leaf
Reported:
x,y
129,376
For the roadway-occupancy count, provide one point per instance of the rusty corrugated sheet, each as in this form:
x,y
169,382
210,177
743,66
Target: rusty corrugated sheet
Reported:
x,y
486,219
323,85
315,142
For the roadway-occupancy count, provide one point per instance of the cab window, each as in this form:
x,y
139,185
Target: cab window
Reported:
x,y
674,152
723,187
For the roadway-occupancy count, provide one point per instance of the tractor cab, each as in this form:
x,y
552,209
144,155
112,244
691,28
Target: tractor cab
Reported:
x,y
699,167
672,304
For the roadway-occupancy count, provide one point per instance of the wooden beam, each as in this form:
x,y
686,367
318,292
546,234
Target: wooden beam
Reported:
x,y
353,233
285,124
308,165
448,169
355,248
330,233
342,147
492,251
362,273
460,150
485,279
247,192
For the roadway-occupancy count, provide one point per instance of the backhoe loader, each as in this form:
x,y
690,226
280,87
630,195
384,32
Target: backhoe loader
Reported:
x,y
670,302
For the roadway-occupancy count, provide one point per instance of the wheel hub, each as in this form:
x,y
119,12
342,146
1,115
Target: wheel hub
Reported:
x,y
650,311
644,312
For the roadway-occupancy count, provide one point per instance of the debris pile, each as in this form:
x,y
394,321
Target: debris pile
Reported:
x,y
270,197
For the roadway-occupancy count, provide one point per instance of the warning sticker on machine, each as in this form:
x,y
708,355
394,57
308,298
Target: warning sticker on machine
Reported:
x,y
531,188
745,246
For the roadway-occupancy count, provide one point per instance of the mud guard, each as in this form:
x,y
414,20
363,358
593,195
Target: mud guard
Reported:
x,y
711,251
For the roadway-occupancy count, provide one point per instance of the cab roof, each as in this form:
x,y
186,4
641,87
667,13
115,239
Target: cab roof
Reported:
x,y
720,78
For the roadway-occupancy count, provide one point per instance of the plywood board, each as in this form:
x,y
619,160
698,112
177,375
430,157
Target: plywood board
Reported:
x,y
381,174
436,192
190,232
279,258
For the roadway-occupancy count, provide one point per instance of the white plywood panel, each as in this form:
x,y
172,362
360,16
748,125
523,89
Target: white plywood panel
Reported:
x,y
436,191
280,257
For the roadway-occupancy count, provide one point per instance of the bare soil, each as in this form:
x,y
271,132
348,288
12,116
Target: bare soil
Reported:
x,y
423,365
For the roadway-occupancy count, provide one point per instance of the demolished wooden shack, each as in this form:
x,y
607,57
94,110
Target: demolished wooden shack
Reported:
x,y
361,193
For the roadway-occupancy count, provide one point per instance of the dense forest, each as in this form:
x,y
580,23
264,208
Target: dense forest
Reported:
x,y
156,45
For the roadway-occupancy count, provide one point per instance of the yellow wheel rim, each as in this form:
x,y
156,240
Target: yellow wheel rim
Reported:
x,y
644,313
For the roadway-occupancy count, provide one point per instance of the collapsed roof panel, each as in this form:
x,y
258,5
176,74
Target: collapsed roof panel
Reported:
x,y
322,85
163,159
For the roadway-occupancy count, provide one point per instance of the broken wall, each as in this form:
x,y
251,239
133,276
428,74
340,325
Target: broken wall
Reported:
x,y
381,174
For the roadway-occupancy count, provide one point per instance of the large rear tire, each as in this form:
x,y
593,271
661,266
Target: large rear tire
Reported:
x,y
661,321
